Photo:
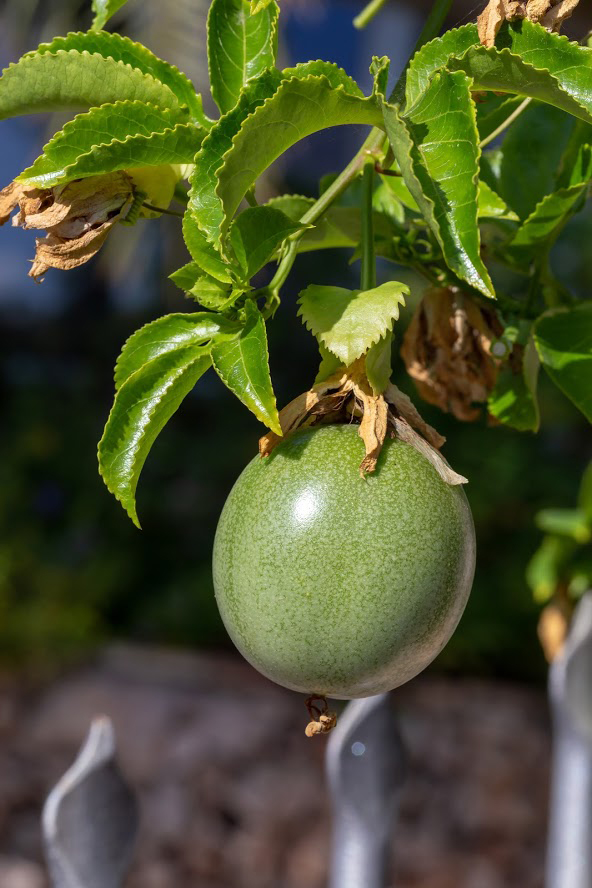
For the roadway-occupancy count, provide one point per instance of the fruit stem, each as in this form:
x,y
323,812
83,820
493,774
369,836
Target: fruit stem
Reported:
x,y
367,14
368,268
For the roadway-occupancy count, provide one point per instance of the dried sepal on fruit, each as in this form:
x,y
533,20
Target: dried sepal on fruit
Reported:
x,y
77,217
347,397
447,351
549,13
321,720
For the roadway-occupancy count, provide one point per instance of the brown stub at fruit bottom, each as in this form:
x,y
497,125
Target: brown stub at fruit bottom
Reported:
x,y
77,217
321,720
347,397
549,13
447,351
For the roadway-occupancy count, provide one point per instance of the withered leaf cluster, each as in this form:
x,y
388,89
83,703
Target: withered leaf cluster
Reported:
x,y
347,397
77,217
447,351
549,13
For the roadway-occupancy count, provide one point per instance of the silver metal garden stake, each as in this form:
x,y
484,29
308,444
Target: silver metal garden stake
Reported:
x,y
90,817
365,767
569,856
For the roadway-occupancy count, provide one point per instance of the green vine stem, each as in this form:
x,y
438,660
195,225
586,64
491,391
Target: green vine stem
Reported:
x,y
368,269
368,13
373,147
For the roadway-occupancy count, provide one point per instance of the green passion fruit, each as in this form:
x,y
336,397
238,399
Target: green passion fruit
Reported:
x,y
336,585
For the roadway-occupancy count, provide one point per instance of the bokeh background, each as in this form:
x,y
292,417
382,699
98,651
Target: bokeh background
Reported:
x,y
84,595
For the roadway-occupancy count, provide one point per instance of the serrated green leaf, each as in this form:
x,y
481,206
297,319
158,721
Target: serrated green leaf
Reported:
x,y
513,400
563,338
142,407
241,45
539,231
242,364
103,10
349,322
491,206
256,234
74,80
297,109
186,277
527,60
166,334
122,49
214,295
565,522
203,253
336,76
172,146
378,364
100,126
204,203
436,147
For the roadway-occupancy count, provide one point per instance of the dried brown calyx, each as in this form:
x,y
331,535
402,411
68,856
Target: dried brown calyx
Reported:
x,y
549,13
77,217
321,720
447,351
347,397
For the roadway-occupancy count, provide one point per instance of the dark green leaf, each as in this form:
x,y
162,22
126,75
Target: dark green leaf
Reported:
x,y
240,47
349,322
203,253
563,339
142,407
378,364
242,364
256,234
436,147
166,334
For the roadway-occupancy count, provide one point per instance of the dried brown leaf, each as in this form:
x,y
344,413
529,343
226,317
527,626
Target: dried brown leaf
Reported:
x,y
9,199
55,252
559,13
405,433
490,21
373,429
408,411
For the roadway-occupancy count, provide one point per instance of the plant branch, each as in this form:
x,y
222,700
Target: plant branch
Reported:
x,y
368,13
368,269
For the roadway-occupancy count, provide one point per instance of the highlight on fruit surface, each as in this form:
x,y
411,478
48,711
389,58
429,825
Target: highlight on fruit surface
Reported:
x,y
335,585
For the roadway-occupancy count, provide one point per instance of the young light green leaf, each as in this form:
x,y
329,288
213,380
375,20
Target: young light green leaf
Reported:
x,y
349,322
547,565
258,5
142,407
172,146
436,147
241,45
72,80
256,234
122,49
513,400
101,126
378,364
204,203
166,334
103,10
563,339
214,295
435,55
186,277
297,109
242,363
203,253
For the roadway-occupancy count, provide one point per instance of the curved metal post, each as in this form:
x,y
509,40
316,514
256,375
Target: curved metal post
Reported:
x,y
90,817
365,768
569,855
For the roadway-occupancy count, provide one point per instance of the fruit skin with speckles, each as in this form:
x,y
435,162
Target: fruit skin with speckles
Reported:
x,y
338,585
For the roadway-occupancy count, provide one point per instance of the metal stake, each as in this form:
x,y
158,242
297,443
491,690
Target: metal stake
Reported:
x,y
365,768
569,855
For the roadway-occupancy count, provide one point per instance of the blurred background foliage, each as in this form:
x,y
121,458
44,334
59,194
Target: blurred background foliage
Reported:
x,y
74,572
